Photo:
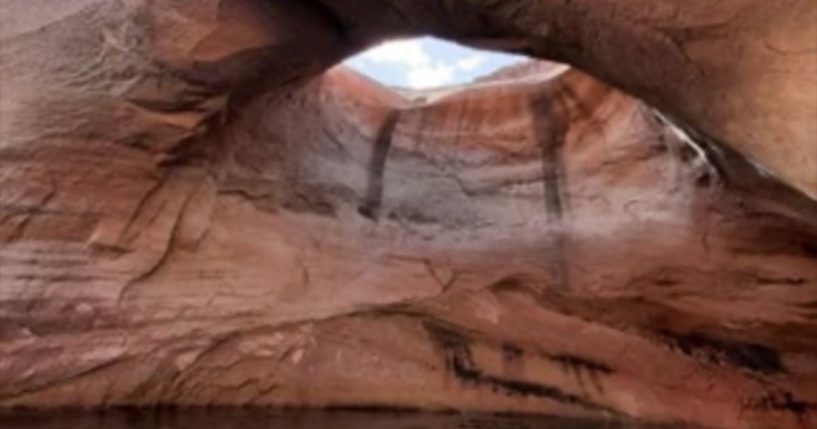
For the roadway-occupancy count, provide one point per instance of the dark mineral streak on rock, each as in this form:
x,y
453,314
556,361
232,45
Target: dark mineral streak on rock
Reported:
x,y
780,401
753,357
459,362
576,363
550,130
377,168
511,354
583,369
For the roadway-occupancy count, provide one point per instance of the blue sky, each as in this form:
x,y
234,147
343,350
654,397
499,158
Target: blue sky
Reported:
x,y
427,62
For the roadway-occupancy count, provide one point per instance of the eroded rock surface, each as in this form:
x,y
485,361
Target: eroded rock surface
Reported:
x,y
187,217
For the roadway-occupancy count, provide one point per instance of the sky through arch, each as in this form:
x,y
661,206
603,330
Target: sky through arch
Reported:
x,y
428,62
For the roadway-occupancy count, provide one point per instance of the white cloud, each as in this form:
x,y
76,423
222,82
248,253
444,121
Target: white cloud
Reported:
x,y
431,76
420,69
471,63
409,53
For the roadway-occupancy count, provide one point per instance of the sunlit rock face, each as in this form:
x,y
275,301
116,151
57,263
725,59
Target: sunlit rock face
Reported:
x,y
192,212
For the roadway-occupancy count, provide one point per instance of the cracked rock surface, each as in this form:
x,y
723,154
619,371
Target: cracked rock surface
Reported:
x,y
195,209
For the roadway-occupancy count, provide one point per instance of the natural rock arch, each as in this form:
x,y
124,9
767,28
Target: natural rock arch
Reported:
x,y
181,210
740,72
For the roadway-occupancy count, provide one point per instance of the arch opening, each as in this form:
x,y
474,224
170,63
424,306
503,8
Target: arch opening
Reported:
x,y
427,63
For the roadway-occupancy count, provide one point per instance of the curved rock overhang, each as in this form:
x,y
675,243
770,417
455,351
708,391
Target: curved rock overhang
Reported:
x,y
740,72
193,212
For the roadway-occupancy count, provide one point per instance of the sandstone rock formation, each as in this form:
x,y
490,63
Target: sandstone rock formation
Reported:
x,y
192,212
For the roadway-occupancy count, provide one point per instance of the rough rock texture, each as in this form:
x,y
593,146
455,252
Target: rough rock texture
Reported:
x,y
188,217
